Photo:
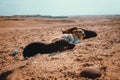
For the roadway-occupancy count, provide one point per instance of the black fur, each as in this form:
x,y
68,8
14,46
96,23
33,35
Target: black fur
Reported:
x,y
89,34
37,47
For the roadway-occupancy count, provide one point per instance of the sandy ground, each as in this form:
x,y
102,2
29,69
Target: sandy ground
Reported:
x,y
103,50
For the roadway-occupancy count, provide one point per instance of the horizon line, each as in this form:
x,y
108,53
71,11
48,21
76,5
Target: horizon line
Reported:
x,y
63,15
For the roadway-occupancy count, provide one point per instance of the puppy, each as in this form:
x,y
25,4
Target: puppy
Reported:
x,y
43,48
81,33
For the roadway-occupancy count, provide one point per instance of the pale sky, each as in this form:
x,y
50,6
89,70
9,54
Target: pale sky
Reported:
x,y
59,7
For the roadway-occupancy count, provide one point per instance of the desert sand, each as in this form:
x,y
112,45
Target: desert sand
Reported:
x,y
102,51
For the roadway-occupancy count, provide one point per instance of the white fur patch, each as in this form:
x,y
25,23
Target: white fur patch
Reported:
x,y
70,38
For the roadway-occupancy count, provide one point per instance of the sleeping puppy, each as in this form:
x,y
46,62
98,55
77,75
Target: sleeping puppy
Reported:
x,y
81,33
37,47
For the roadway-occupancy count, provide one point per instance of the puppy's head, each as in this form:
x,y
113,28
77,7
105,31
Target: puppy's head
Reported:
x,y
79,33
70,30
63,45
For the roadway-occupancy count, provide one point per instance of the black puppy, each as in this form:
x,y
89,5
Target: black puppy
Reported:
x,y
37,47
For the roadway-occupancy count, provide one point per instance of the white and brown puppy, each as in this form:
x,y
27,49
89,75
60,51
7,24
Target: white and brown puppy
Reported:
x,y
80,32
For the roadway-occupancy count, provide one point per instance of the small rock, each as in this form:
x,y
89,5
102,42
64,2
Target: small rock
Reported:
x,y
15,52
91,72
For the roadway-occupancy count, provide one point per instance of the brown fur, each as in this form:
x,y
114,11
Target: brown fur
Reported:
x,y
69,30
79,32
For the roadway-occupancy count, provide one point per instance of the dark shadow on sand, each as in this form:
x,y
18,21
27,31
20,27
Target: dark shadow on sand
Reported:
x,y
4,75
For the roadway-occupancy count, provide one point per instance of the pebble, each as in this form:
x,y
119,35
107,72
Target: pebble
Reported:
x,y
15,52
91,72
